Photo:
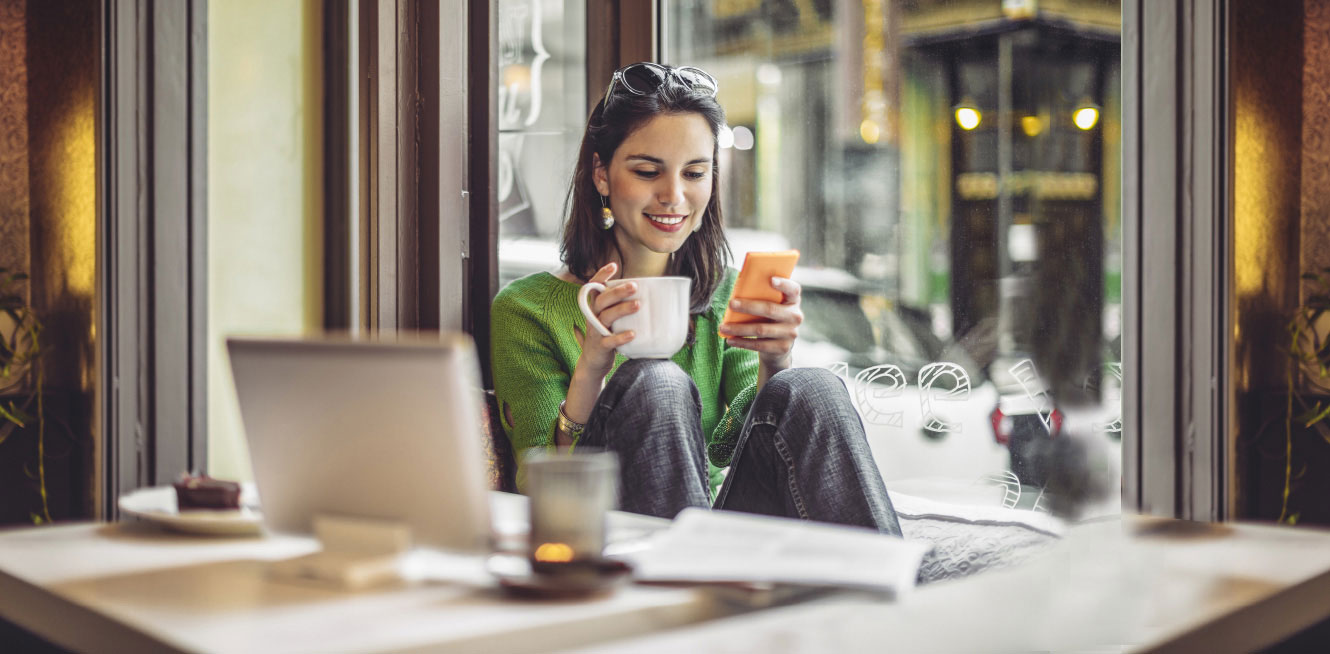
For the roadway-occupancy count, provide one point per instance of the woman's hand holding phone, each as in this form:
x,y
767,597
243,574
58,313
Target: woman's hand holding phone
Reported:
x,y
598,351
771,324
774,337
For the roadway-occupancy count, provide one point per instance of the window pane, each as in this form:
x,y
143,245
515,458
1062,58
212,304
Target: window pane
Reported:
x,y
950,172
263,252
542,109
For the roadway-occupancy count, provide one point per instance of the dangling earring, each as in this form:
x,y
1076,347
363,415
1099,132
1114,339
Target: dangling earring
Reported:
x,y
606,216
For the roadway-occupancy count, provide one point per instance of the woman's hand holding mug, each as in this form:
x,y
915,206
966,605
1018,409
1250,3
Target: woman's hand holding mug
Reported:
x,y
608,306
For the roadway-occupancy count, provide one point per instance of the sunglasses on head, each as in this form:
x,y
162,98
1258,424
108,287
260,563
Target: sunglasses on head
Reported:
x,y
644,77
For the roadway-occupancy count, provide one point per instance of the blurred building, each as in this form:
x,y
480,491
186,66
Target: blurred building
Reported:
x,y
935,147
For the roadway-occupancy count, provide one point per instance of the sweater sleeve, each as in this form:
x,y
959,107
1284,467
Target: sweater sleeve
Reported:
x,y
530,379
738,384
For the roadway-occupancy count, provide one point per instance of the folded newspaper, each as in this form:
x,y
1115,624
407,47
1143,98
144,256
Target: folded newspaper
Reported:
x,y
706,546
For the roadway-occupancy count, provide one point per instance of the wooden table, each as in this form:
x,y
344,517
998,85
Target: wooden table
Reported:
x,y
134,588
1129,585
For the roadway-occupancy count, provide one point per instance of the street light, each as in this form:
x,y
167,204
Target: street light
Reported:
x,y
1086,117
869,131
1032,125
967,116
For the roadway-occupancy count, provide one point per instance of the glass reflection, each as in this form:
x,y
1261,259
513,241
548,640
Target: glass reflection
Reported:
x,y
953,191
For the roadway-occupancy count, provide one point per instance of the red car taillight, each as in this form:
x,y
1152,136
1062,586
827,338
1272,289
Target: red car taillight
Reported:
x,y
1002,425
1002,436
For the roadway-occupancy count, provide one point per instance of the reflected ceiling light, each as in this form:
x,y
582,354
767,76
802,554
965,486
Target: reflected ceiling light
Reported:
x,y
967,117
743,138
1031,125
517,75
725,138
869,131
1086,117
768,74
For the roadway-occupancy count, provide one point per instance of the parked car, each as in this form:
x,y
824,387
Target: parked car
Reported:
x,y
1025,416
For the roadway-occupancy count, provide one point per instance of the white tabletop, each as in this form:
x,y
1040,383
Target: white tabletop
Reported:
x,y
1130,585
1133,585
132,587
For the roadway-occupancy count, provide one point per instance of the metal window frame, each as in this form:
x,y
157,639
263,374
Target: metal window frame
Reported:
x,y
1177,390
1177,165
397,191
151,416
1177,276
618,33
402,153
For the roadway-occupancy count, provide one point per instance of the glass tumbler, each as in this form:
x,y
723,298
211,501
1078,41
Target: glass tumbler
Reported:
x,y
570,494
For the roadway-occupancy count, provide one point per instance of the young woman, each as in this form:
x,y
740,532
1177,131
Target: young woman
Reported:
x,y
645,202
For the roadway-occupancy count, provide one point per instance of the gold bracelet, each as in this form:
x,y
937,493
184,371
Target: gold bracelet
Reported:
x,y
567,425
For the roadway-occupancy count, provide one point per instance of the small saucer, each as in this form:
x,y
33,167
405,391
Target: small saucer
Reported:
x,y
585,579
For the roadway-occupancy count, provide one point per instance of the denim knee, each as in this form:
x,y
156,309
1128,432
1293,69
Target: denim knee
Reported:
x,y
658,376
803,389
800,382
656,390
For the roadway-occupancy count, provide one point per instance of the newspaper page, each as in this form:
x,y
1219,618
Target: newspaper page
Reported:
x,y
727,547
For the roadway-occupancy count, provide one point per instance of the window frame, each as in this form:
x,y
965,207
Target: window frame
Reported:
x,y
1178,392
151,415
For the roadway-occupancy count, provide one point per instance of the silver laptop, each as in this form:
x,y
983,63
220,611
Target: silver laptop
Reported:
x,y
385,431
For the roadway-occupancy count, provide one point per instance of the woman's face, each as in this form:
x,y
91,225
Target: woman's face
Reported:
x,y
659,183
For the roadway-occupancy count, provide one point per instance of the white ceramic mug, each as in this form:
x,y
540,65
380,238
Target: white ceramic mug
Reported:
x,y
661,323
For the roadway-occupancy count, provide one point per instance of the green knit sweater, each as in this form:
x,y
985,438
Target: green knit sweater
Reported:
x,y
534,351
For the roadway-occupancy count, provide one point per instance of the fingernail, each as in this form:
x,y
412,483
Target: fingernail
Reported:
x,y
734,304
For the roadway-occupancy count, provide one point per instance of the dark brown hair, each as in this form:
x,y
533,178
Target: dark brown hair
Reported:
x,y
586,245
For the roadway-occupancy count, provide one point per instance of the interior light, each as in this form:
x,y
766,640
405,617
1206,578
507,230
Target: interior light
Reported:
x,y
725,138
869,131
1086,117
967,117
743,138
1031,125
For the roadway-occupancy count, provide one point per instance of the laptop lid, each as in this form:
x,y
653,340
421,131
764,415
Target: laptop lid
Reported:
x,y
386,431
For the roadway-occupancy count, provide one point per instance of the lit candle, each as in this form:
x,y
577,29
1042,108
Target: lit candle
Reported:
x,y
569,497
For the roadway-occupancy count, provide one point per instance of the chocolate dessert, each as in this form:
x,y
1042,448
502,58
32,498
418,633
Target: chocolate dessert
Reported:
x,y
204,492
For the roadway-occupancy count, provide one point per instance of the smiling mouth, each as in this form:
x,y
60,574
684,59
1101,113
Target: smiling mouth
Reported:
x,y
666,220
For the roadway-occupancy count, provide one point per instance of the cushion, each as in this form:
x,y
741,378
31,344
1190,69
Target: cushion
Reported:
x,y
501,468
969,538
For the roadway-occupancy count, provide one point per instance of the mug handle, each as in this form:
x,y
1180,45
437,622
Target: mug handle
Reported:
x,y
586,309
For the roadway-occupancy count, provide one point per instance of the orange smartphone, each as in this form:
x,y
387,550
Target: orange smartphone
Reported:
x,y
754,281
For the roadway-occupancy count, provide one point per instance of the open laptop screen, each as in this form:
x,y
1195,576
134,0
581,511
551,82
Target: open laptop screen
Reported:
x,y
386,431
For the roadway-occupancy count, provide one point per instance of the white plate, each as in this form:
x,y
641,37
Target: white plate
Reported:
x,y
158,505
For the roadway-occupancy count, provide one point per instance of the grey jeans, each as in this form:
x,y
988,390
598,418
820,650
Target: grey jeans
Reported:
x,y
802,452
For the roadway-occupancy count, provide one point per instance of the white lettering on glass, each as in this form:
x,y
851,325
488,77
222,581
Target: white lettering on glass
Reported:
x,y
1028,377
931,394
874,389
